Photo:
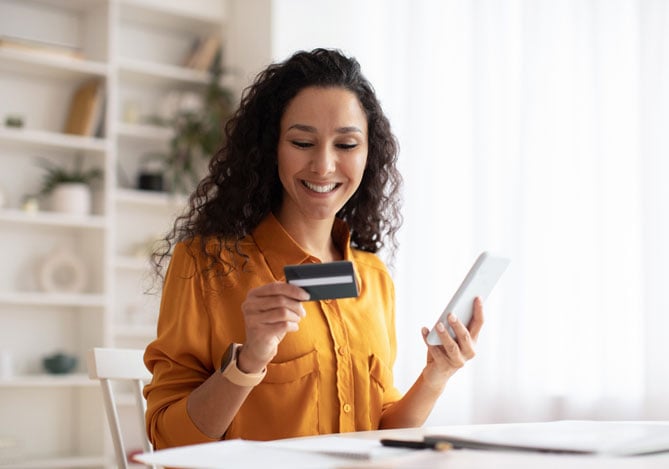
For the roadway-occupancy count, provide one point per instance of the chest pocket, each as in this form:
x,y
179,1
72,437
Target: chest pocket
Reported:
x,y
284,405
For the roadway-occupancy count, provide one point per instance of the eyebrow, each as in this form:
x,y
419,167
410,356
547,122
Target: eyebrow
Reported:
x,y
339,130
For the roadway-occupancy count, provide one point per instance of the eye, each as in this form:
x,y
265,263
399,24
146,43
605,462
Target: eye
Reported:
x,y
346,146
302,144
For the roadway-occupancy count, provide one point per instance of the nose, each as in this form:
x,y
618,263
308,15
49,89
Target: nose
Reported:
x,y
323,161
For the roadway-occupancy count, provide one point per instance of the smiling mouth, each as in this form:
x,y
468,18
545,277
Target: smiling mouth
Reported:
x,y
320,188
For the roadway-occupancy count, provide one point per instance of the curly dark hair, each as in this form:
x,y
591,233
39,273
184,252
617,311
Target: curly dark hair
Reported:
x,y
243,184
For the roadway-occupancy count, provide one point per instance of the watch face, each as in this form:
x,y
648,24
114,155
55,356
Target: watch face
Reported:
x,y
227,357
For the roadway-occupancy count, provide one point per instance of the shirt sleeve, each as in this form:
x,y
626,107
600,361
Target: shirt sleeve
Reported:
x,y
179,358
392,394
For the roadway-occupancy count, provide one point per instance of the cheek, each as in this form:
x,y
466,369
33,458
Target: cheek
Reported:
x,y
282,170
360,165
289,164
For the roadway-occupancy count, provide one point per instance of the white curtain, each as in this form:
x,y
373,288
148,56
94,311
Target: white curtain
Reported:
x,y
538,129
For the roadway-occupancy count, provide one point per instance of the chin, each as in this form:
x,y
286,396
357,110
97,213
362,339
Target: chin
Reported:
x,y
320,215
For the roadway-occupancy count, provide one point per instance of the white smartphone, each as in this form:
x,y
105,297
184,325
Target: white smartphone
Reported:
x,y
479,281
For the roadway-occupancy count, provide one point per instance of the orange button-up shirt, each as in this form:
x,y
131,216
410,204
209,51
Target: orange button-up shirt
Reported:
x,y
333,375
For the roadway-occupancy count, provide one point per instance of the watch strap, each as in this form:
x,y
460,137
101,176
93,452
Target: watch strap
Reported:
x,y
232,373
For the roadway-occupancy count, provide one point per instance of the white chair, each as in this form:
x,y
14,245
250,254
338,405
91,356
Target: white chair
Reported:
x,y
121,365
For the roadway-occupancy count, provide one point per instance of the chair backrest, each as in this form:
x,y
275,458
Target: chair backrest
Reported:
x,y
123,365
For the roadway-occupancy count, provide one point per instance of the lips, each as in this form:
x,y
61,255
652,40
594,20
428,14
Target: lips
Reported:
x,y
320,188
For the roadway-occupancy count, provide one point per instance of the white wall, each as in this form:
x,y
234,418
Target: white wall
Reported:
x,y
272,30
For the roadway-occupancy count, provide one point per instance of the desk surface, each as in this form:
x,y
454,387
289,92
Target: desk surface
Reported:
x,y
309,452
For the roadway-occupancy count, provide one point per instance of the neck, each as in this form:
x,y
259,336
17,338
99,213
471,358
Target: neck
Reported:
x,y
314,236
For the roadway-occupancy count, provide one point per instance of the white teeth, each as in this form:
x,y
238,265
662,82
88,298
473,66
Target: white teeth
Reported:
x,y
321,189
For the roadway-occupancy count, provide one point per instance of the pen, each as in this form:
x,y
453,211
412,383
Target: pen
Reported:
x,y
413,444
460,443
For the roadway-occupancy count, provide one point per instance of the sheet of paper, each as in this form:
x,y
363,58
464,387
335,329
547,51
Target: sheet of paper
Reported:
x,y
338,445
236,453
598,437
321,452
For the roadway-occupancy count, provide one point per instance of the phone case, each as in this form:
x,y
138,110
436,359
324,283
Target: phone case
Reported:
x,y
480,281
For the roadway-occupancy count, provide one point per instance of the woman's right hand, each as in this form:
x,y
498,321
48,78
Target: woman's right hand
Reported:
x,y
270,311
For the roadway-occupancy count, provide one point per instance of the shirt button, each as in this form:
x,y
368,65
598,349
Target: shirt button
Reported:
x,y
341,350
347,408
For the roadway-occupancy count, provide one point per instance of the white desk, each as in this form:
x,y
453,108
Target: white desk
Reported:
x,y
301,453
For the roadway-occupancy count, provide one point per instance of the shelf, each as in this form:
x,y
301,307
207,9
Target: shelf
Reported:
x,y
49,381
137,49
43,64
58,463
52,219
52,299
47,139
136,332
150,198
151,73
144,132
196,16
75,5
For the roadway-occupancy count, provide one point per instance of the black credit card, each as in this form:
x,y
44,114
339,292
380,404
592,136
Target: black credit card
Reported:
x,y
325,281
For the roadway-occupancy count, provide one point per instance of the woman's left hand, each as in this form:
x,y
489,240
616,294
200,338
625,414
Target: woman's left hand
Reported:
x,y
445,359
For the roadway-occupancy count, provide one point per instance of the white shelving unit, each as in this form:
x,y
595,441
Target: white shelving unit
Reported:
x,y
137,49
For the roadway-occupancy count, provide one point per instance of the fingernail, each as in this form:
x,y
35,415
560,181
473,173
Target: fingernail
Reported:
x,y
452,318
440,327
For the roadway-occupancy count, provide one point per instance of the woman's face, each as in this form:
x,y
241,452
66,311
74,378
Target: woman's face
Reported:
x,y
322,152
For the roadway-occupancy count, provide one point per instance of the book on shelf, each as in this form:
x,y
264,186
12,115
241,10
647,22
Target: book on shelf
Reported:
x,y
40,47
203,53
86,109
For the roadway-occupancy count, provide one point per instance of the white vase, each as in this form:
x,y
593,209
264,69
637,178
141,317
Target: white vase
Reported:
x,y
71,197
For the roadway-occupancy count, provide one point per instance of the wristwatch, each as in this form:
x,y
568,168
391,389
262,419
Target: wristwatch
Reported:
x,y
233,374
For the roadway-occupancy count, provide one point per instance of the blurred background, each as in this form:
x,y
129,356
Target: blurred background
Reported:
x,y
535,129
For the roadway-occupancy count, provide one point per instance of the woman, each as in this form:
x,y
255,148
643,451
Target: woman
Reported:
x,y
307,175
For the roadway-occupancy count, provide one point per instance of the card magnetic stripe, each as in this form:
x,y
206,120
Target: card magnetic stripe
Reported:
x,y
313,282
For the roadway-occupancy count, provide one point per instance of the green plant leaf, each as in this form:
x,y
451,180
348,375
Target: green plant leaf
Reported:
x,y
55,175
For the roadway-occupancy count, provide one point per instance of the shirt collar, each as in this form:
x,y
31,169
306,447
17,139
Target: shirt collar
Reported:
x,y
280,249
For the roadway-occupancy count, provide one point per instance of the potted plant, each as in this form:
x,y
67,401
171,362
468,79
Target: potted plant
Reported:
x,y
69,190
198,134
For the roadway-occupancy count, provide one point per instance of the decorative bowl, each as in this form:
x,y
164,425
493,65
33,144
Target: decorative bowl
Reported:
x,y
59,363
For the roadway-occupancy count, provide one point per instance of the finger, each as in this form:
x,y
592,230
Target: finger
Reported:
x,y
438,353
424,331
448,344
263,337
476,322
462,336
261,304
458,328
280,289
281,315
274,315
262,342
279,329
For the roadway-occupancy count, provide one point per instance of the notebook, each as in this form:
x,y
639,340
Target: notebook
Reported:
x,y
612,438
